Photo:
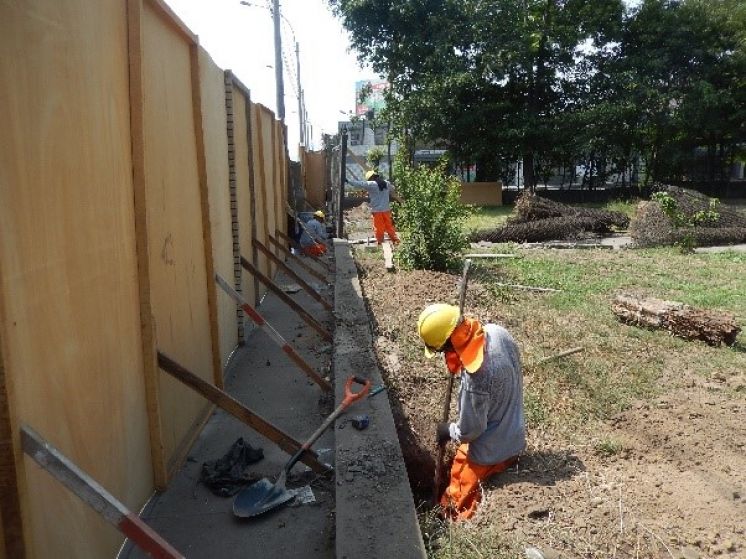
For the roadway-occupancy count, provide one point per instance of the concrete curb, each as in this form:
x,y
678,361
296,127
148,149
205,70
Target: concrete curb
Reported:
x,y
374,505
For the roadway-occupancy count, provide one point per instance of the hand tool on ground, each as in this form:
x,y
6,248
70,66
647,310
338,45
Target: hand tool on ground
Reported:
x,y
376,390
263,495
447,404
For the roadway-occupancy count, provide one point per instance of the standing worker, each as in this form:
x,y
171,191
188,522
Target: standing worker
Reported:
x,y
490,429
314,235
380,192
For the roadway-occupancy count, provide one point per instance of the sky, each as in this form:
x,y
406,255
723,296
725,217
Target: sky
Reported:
x,y
240,38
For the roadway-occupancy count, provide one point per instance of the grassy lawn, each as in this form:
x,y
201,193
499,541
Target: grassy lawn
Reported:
x,y
571,402
492,217
620,362
485,217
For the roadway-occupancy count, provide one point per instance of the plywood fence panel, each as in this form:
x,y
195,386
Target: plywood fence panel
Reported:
x,y
216,148
175,236
68,284
243,189
268,139
314,176
281,164
482,193
260,184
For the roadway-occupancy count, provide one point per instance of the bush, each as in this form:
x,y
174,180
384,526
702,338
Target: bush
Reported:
x,y
430,218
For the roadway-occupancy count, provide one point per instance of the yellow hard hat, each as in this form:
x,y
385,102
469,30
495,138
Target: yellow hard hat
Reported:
x,y
369,175
320,214
435,325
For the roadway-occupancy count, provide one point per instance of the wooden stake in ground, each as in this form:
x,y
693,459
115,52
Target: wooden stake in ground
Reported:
x,y
681,320
388,256
437,482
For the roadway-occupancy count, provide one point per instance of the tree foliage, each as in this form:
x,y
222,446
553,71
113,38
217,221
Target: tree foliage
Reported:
x,y
558,82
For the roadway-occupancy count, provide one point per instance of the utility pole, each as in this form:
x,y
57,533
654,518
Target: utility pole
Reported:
x,y
301,116
278,62
342,181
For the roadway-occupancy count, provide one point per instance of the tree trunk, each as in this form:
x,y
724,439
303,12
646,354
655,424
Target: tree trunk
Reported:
x,y
529,180
681,320
487,169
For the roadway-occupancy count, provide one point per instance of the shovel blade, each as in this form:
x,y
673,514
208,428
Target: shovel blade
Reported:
x,y
259,498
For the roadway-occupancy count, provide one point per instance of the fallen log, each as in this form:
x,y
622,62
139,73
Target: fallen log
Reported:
x,y
684,321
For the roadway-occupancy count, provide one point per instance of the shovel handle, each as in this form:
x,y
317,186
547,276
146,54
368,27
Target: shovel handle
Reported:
x,y
349,398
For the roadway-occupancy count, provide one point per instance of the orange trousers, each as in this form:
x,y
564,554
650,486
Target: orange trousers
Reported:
x,y
382,223
463,494
315,250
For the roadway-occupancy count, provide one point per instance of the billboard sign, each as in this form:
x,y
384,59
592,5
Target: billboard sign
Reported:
x,y
374,101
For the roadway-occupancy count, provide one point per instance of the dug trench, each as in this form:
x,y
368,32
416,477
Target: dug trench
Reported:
x,y
662,475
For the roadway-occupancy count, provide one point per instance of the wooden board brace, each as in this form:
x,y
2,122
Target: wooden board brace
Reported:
x,y
232,406
298,259
274,288
299,280
95,496
274,334
298,220
291,242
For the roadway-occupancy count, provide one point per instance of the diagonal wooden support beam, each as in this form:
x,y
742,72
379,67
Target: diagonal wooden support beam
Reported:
x,y
274,334
92,494
293,243
295,258
299,280
232,406
274,288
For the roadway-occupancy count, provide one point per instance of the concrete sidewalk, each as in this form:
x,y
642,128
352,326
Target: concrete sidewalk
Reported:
x,y
201,525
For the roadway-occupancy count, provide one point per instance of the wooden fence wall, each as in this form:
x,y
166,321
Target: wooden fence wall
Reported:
x,y
132,169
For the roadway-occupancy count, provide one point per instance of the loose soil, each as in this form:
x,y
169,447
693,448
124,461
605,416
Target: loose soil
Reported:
x,y
658,470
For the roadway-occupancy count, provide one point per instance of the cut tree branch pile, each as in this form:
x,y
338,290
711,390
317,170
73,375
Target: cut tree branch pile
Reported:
x,y
681,320
537,219
652,227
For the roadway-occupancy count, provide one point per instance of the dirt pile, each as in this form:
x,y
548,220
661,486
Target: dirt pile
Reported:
x,y
537,219
652,227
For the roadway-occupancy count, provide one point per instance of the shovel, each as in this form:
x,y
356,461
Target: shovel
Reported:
x,y
263,495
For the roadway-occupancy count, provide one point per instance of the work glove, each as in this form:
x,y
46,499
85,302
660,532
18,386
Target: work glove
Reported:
x,y
443,432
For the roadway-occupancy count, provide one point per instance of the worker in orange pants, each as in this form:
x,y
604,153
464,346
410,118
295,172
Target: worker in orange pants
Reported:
x,y
314,235
490,428
383,223
380,192
464,492
316,249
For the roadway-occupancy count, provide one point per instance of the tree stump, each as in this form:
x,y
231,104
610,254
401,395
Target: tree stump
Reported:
x,y
681,320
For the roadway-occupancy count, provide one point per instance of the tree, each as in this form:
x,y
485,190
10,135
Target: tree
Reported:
x,y
488,80
680,69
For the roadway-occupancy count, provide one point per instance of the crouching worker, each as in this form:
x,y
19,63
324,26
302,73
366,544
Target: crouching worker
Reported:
x,y
381,193
490,428
314,235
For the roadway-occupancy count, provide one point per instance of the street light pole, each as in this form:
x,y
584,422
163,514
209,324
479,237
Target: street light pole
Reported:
x,y
278,62
301,114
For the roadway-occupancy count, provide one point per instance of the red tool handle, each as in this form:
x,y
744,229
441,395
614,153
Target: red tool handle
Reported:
x,y
350,396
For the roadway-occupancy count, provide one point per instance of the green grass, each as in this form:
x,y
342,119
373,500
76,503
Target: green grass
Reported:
x,y
486,217
620,363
